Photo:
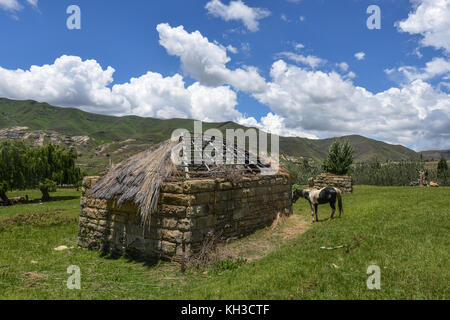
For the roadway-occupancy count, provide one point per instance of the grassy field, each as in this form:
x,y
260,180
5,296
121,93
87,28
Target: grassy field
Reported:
x,y
403,230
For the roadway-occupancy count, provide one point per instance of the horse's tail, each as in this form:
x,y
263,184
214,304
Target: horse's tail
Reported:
x,y
339,196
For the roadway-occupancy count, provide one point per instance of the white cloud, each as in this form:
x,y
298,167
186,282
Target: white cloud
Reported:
x,y
14,5
299,46
206,61
360,55
325,104
303,102
237,10
431,19
351,75
34,3
437,67
72,82
232,49
10,5
311,61
343,66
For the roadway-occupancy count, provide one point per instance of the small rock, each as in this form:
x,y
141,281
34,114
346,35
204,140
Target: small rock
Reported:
x,y
61,248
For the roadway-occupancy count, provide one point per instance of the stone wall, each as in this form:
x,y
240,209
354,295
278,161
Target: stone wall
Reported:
x,y
344,183
188,212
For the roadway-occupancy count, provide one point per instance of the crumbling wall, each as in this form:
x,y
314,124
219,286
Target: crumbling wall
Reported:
x,y
188,212
344,183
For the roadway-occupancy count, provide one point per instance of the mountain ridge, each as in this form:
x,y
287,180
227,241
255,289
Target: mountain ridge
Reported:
x,y
108,133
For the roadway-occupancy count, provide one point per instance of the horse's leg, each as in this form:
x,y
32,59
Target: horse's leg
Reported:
x,y
312,211
316,209
333,207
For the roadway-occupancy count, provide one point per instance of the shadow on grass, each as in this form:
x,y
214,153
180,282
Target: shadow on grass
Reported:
x,y
36,201
130,257
60,198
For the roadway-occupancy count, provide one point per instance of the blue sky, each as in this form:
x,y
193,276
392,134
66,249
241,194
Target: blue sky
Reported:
x,y
284,66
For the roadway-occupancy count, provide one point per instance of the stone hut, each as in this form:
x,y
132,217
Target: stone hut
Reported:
x,y
344,183
148,208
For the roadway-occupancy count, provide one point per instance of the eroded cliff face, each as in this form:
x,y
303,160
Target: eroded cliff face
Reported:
x,y
38,138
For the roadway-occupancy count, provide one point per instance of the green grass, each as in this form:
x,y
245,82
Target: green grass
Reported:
x,y
403,230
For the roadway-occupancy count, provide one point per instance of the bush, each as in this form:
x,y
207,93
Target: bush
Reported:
x,y
442,168
393,174
300,173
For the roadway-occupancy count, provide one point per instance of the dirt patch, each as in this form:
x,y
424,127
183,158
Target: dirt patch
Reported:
x,y
35,276
264,241
32,278
253,247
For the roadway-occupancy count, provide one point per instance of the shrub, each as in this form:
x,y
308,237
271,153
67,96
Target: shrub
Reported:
x,y
442,168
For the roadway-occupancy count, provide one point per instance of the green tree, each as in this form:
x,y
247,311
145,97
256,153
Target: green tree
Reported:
x,y
54,165
442,168
13,167
340,158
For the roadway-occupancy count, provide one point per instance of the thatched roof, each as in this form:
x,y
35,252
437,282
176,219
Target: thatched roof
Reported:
x,y
139,178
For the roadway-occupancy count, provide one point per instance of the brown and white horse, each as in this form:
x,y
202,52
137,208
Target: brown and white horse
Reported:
x,y
322,196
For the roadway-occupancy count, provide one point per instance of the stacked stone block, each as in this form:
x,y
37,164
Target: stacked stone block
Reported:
x,y
188,213
344,183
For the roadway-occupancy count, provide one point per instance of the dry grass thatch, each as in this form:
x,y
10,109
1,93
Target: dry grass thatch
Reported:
x,y
138,179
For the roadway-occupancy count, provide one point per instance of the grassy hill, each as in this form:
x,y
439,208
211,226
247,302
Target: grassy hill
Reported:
x,y
436,154
120,137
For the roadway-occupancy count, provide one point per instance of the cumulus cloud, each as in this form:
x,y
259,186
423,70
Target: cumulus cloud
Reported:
x,y
437,67
303,102
10,5
206,61
343,66
299,46
72,82
327,104
14,5
232,49
360,55
237,10
431,19
310,60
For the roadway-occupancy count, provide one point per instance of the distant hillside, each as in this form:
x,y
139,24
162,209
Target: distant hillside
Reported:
x,y
98,137
435,154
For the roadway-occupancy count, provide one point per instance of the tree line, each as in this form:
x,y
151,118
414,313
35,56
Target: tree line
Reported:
x,y
340,161
24,167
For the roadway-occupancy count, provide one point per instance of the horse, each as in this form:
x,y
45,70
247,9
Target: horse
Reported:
x,y
322,196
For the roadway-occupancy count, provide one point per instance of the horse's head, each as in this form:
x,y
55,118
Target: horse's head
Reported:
x,y
299,194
